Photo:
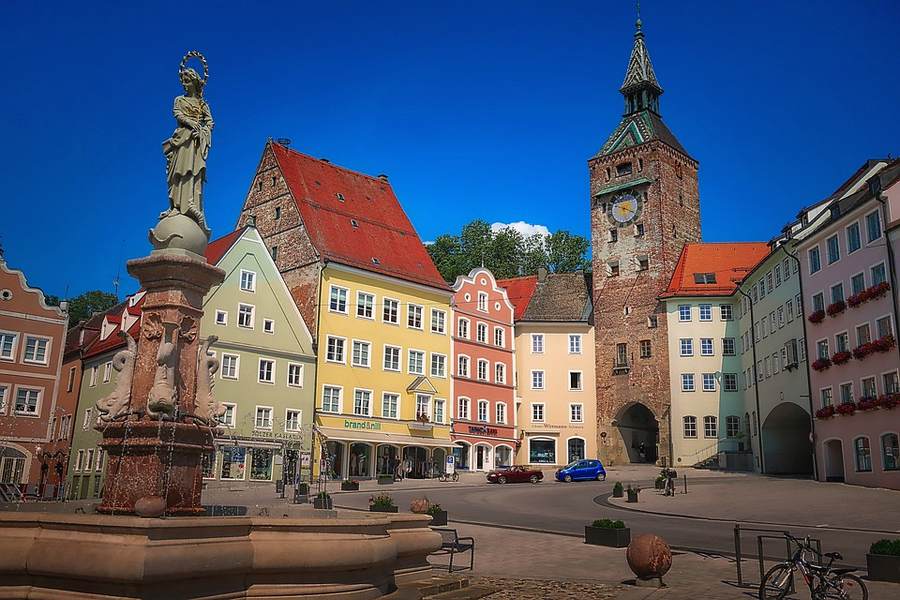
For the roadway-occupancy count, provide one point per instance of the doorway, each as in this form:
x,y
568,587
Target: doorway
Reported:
x,y
640,433
482,458
785,441
575,449
834,461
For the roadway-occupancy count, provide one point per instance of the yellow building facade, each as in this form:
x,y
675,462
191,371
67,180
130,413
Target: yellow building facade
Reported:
x,y
383,384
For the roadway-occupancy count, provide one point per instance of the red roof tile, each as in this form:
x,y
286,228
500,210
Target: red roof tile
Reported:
x,y
114,340
729,261
217,248
368,223
519,290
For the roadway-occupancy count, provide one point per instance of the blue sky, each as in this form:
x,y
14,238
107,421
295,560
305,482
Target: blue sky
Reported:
x,y
474,109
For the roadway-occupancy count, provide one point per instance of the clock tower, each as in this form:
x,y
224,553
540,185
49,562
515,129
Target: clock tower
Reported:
x,y
645,207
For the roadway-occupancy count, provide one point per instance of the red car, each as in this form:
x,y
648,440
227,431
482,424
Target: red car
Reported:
x,y
516,474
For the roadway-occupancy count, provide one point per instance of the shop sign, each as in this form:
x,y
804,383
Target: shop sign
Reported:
x,y
373,425
482,429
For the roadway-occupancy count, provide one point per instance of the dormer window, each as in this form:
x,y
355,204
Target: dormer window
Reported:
x,y
623,169
354,223
704,278
340,197
375,261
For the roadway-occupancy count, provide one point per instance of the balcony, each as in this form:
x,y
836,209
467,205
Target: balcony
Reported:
x,y
621,368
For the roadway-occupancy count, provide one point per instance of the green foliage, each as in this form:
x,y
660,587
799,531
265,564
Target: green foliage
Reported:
x,y
433,509
381,501
323,495
82,307
507,253
618,487
608,524
885,546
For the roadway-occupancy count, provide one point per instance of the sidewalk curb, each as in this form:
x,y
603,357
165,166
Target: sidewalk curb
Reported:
x,y
387,489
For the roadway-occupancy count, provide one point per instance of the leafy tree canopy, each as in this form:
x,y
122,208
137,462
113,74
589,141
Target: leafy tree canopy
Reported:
x,y
506,252
82,307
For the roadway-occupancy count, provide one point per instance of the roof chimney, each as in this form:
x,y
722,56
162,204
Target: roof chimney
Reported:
x,y
251,221
542,274
382,177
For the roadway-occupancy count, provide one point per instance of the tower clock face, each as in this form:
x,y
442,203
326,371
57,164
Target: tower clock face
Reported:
x,y
624,208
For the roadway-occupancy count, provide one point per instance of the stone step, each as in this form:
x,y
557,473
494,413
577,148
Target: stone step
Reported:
x,y
471,592
432,587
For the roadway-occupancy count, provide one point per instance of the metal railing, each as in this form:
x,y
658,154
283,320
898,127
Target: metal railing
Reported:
x,y
765,534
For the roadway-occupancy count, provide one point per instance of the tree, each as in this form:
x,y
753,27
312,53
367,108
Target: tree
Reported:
x,y
84,306
566,252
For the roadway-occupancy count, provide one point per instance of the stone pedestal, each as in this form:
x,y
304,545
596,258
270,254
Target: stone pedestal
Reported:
x,y
156,449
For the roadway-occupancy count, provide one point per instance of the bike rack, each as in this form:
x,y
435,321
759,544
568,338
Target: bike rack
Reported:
x,y
770,534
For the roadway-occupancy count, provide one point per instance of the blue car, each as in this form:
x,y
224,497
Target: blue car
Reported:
x,y
582,470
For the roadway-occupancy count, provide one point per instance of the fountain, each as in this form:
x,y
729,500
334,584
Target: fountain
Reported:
x,y
150,538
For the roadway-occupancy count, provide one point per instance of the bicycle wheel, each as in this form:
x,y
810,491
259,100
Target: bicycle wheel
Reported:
x,y
455,476
847,587
777,583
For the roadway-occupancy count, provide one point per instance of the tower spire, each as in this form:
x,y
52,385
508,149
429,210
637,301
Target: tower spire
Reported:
x,y
640,88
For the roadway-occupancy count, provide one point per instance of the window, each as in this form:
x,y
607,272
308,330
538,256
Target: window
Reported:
x,y
777,272
501,412
263,417
274,253
414,316
863,334
482,302
825,395
818,302
765,326
362,402
710,427
248,281
842,342
645,349
438,321
622,355
789,307
295,375
612,268
709,382
537,413
334,349
878,274
537,380
483,410
873,226
846,390
623,169
684,312
687,382
833,248
500,373
863,452
438,365
391,311
883,326
643,263
613,235
786,265
245,316
868,388
652,322
337,299
482,369
889,381
221,317
360,355
88,418
499,337
89,463
726,312
423,406
79,461
438,410
574,380
462,411
230,366
292,420
706,312
268,325
706,347
853,241
822,349
690,427
890,450
732,426
837,293
365,305
28,401
576,413
462,328
391,358
575,344
815,264
331,399
389,405
729,382
416,362
780,317
266,371
36,350
728,346
769,283
687,346
107,372
227,418
639,230
462,366
101,454
481,333
857,283
537,343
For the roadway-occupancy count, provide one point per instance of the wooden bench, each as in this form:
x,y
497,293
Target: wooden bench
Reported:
x,y
452,544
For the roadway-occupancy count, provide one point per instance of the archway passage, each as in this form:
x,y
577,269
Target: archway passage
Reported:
x,y
640,433
785,441
834,461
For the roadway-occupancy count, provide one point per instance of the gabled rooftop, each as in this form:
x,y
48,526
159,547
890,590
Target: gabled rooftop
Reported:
x,y
713,269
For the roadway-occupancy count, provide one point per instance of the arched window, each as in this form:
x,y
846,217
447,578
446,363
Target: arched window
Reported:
x,y
863,454
890,452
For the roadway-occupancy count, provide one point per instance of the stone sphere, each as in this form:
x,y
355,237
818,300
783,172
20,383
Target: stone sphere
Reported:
x,y
178,231
649,556
150,506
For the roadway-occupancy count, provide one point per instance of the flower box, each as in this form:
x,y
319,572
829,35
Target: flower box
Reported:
x,y
825,412
867,404
856,299
877,291
382,508
606,536
840,358
385,479
438,518
847,408
817,316
349,486
883,567
836,308
883,344
888,401
323,502
821,364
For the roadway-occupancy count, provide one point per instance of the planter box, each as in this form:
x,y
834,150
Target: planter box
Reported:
x,y
618,493
883,567
349,486
326,503
385,509
603,536
659,484
439,519
632,496
385,479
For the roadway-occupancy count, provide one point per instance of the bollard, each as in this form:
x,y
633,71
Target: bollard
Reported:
x,y
685,483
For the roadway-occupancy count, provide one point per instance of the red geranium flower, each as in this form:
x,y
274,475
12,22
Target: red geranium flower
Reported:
x,y
817,317
840,358
847,408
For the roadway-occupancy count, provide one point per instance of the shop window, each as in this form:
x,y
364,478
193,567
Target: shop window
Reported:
x,y
261,464
233,459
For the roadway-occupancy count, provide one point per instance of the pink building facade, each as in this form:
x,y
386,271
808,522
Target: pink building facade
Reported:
x,y
850,300
484,412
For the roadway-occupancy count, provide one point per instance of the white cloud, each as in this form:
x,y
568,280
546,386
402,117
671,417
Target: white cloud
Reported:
x,y
526,229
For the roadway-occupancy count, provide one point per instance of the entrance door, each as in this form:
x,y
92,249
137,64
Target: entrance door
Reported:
x,y
834,461
479,458
576,449
415,460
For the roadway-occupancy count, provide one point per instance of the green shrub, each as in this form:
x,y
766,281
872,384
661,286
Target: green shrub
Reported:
x,y
433,509
618,487
889,547
323,495
608,524
381,501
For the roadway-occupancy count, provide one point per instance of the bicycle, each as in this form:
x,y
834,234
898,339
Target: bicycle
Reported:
x,y
445,477
823,581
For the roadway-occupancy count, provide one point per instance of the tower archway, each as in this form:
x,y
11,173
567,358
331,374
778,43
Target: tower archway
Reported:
x,y
638,429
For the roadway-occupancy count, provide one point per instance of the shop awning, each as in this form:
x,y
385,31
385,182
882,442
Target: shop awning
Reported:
x,y
344,435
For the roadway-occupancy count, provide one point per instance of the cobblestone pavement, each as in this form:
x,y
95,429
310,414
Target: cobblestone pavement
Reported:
x,y
539,589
